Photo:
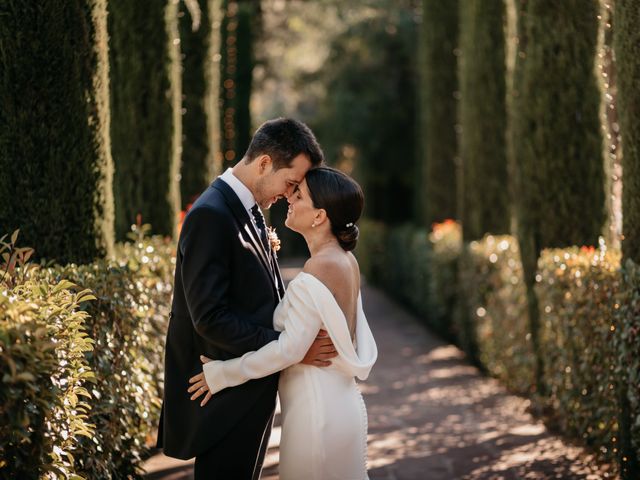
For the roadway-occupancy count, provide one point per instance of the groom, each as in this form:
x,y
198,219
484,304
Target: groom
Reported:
x,y
227,285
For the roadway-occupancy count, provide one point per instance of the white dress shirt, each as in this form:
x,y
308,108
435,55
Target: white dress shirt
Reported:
x,y
244,194
240,189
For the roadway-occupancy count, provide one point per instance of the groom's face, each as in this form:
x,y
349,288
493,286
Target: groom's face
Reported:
x,y
276,184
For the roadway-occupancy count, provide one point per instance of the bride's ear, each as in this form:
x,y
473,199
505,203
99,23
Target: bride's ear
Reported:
x,y
321,217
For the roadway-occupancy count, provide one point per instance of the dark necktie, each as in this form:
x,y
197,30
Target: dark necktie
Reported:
x,y
262,228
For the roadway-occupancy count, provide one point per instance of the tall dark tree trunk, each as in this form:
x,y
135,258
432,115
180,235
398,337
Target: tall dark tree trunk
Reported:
x,y
55,158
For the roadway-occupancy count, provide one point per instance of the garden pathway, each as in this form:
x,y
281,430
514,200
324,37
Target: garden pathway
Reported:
x,y
432,416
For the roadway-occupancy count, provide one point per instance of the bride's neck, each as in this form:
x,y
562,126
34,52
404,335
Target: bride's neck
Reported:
x,y
321,243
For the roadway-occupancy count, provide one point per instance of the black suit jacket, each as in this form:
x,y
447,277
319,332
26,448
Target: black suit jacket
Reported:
x,y
226,289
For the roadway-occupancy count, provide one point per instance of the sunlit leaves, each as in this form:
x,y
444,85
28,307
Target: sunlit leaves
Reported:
x,y
80,352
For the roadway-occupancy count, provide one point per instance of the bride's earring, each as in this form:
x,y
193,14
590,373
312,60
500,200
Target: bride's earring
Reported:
x,y
313,225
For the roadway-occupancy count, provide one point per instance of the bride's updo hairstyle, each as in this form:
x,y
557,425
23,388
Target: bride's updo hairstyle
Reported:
x,y
342,198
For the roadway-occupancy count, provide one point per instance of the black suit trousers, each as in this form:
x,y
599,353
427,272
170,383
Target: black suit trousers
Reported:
x,y
240,454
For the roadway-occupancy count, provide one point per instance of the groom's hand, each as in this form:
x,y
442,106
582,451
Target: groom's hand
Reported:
x,y
321,351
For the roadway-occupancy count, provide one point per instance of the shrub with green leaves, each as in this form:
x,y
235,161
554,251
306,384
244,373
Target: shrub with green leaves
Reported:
x,y
416,267
44,404
578,290
627,315
128,326
446,247
405,277
371,250
498,311
57,340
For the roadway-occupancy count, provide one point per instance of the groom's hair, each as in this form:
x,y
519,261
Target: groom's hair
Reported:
x,y
283,139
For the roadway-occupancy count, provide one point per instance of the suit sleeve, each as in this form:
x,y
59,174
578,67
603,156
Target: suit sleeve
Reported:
x,y
205,244
302,320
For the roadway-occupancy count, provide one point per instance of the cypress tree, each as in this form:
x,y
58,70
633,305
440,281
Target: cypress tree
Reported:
x,y
626,43
556,140
146,116
482,109
200,46
438,71
239,28
55,157
627,49
483,204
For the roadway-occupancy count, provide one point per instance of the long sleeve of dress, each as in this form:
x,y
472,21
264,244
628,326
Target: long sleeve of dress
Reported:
x,y
302,321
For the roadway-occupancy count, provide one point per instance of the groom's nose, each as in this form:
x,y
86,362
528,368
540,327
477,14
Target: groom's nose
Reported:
x,y
288,191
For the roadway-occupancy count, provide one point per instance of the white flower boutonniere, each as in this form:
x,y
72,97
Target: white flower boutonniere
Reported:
x,y
274,241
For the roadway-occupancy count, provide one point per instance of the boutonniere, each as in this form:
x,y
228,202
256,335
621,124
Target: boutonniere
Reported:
x,y
274,241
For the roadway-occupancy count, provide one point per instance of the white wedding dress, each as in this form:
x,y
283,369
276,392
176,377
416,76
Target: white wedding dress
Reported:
x,y
324,419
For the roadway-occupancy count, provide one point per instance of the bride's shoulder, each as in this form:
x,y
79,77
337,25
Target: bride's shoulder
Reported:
x,y
335,272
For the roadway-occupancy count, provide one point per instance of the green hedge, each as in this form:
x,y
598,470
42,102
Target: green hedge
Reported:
x,y
44,389
578,294
416,268
43,399
589,332
627,340
126,325
446,245
589,323
371,250
55,154
493,279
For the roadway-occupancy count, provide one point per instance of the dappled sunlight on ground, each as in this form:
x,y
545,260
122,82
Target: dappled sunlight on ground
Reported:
x,y
432,416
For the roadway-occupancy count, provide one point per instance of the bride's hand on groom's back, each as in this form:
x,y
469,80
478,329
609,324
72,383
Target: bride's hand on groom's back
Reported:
x,y
199,385
321,351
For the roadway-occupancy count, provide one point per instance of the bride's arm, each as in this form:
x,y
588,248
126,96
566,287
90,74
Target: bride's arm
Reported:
x,y
302,320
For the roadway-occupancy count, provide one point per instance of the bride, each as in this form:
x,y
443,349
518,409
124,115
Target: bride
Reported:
x,y
324,419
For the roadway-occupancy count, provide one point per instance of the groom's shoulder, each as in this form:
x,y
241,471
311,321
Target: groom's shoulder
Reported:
x,y
212,197
210,210
211,200
209,213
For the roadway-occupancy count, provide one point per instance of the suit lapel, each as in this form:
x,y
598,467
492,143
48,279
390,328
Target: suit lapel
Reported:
x,y
280,283
248,235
